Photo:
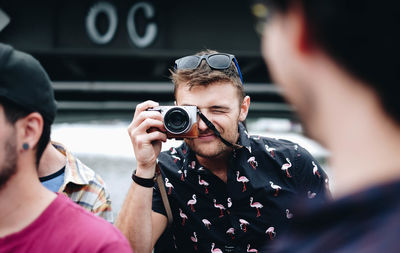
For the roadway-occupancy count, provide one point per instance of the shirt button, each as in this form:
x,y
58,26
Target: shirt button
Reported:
x,y
229,248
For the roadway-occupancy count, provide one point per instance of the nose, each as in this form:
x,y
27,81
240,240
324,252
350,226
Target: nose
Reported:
x,y
202,125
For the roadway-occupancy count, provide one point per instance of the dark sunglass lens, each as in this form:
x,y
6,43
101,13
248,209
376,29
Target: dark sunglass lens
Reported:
x,y
188,62
219,61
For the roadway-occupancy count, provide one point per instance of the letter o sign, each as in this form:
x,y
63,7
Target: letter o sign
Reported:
x,y
111,13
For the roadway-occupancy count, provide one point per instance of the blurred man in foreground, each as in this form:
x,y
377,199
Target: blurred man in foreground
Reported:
x,y
338,64
32,218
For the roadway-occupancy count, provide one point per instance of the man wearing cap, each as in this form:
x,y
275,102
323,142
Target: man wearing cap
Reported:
x,y
338,64
228,191
32,218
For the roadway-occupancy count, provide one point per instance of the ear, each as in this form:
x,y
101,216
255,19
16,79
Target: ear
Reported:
x,y
30,129
299,29
244,108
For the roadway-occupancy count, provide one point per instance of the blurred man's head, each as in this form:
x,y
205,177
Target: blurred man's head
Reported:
x,y
214,85
360,37
27,109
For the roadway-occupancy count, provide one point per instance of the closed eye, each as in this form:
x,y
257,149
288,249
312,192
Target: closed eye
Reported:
x,y
219,109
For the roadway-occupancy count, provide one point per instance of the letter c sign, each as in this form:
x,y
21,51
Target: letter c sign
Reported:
x,y
110,12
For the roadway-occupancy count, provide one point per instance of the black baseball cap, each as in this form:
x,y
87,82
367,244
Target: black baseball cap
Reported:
x,y
24,82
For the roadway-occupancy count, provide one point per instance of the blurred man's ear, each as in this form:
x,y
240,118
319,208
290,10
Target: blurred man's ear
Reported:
x,y
29,129
244,108
299,30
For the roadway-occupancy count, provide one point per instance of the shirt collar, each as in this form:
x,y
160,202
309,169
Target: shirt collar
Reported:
x,y
73,167
244,137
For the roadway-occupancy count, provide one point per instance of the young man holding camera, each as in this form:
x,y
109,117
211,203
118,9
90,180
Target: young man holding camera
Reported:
x,y
227,190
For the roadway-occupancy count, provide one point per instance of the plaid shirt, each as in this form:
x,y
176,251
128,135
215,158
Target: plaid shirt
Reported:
x,y
83,186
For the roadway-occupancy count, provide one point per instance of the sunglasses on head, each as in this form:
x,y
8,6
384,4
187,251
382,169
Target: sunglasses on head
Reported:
x,y
217,61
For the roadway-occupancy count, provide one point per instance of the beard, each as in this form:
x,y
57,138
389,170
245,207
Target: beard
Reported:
x,y
215,148
9,166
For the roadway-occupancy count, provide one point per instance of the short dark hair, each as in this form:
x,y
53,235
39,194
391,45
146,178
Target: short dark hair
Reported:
x,y
14,112
361,36
204,75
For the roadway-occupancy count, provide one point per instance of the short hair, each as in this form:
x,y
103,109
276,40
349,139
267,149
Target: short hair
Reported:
x,y
204,76
14,112
361,36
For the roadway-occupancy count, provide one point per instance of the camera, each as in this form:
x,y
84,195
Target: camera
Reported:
x,y
179,121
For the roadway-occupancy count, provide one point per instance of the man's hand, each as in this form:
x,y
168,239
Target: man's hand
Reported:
x,y
146,133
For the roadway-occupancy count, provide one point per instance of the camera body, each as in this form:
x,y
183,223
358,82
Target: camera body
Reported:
x,y
179,121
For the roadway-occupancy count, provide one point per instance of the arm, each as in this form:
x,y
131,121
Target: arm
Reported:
x,y
136,219
138,222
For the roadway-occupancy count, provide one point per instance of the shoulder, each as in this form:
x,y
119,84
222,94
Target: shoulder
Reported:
x,y
278,149
88,175
91,229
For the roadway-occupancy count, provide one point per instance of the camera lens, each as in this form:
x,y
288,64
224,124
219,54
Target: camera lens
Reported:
x,y
176,120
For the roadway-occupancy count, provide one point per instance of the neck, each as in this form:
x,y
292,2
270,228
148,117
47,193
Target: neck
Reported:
x,y
22,200
217,165
364,142
52,160
370,158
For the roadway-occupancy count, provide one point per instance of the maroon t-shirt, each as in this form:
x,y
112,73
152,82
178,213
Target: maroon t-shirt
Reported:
x,y
66,227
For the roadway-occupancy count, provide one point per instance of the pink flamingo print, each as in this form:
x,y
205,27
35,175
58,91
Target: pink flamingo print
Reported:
x,y
203,182
192,202
275,187
311,195
231,232
251,250
242,179
194,240
182,174
252,161
270,150
169,185
183,216
192,164
173,151
289,215
249,149
243,223
286,167
271,232
221,208
229,202
216,250
206,223
315,169
176,158
256,205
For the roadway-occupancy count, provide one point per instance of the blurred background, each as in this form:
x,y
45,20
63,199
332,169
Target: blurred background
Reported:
x,y
105,57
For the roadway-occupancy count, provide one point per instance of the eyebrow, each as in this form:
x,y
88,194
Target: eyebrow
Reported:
x,y
211,107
